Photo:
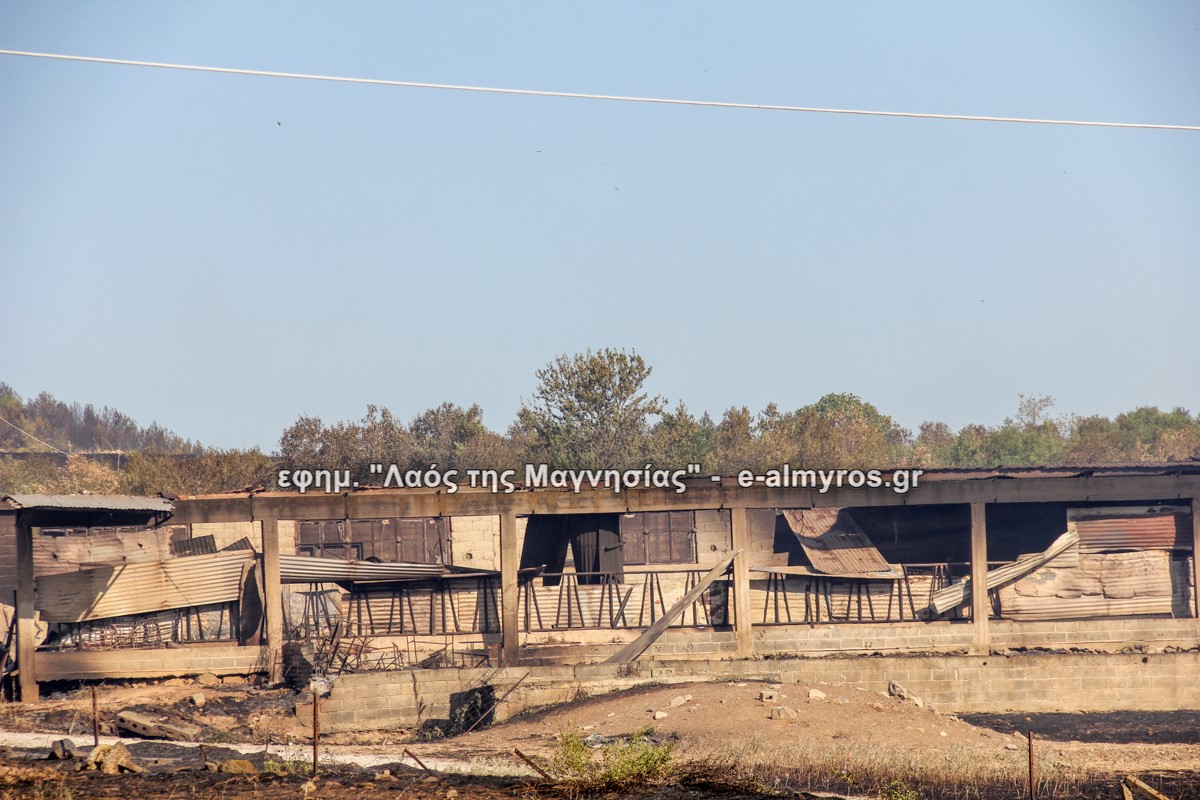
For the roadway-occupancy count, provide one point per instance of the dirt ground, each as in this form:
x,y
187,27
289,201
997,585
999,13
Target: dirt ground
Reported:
x,y
726,726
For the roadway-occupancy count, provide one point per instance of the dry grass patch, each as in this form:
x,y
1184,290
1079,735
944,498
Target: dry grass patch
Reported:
x,y
881,771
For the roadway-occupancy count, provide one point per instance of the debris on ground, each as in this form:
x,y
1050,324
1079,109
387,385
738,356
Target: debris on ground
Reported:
x,y
1133,786
784,712
900,693
65,750
111,759
237,766
145,725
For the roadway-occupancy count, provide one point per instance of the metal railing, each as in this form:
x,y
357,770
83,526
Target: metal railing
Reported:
x,y
631,599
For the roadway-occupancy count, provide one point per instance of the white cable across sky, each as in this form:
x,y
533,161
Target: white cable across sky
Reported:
x,y
587,96
31,436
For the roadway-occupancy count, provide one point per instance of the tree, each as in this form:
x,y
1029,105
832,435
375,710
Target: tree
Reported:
x,y
737,442
934,446
37,475
840,430
378,438
590,411
442,435
206,471
680,439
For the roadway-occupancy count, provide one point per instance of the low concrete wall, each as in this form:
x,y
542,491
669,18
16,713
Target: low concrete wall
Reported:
x,y
1112,635
1025,682
160,663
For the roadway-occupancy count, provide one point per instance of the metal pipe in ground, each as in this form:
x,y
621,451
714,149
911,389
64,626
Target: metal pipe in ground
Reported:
x,y
316,730
1032,790
95,720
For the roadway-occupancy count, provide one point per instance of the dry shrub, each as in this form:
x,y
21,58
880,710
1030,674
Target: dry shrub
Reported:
x,y
874,770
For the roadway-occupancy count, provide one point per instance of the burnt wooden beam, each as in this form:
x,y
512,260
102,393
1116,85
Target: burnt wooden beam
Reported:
x,y
26,608
375,504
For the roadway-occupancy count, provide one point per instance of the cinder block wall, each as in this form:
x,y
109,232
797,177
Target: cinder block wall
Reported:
x,y
1103,635
226,533
942,637
160,663
476,541
1026,682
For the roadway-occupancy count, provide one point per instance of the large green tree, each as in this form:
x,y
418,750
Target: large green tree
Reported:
x,y
590,410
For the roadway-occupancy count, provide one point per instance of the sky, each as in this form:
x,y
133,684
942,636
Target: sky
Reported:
x,y
225,253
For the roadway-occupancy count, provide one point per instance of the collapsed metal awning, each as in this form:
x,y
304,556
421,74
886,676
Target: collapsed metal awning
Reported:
x,y
91,502
189,581
1116,528
958,594
836,546
146,587
307,569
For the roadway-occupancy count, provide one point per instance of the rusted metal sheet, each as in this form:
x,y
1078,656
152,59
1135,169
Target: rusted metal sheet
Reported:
x,y
306,569
956,595
1063,471
1104,585
196,546
835,545
92,502
73,551
141,588
1133,528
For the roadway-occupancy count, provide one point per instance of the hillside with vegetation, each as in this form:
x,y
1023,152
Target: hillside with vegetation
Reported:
x,y
589,410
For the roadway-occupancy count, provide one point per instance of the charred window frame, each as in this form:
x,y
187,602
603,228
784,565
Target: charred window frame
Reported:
x,y
175,532
659,537
414,540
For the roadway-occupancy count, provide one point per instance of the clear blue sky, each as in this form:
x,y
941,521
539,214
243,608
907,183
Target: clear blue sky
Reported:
x,y
168,248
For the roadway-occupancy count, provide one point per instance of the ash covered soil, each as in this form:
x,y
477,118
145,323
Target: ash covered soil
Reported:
x,y
725,727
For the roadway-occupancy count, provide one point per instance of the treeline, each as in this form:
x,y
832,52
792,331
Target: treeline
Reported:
x,y
77,428
591,410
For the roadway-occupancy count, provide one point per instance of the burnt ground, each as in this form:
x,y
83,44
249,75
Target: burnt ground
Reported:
x,y
840,739
1114,727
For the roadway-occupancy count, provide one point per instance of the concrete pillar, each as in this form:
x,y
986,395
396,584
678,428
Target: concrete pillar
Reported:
x,y
740,529
26,608
980,607
510,632
1196,557
273,598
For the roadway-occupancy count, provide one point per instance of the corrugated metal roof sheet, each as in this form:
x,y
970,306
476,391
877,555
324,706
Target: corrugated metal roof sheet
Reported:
x,y
1113,584
959,594
1133,528
835,544
141,588
307,569
1062,471
92,502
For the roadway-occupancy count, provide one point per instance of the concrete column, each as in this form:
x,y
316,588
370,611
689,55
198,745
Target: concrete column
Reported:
x,y
510,631
980,607
1196,556
273,598
26,608
740,529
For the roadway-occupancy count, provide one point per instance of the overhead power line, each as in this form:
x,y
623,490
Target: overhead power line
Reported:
x,y
31,436
588,96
